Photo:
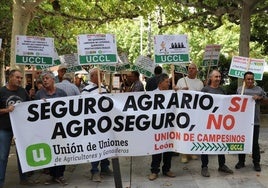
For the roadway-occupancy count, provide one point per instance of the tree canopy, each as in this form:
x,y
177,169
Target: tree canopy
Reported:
x,y
240,26
83,16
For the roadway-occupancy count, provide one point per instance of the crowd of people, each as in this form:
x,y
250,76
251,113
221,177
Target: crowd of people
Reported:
x,y
66,84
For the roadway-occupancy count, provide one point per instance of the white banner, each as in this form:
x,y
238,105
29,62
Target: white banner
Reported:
x,y
71,61
211,55
123,64
33,50
171,49
96,49
81,129
240,65
56,61
145,65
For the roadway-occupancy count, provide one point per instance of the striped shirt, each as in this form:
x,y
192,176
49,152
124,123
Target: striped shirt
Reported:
x,y
93,88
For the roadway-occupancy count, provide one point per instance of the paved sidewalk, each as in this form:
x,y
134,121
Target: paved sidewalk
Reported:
x,y
188,175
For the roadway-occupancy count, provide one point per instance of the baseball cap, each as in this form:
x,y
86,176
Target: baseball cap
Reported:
x,y
62,66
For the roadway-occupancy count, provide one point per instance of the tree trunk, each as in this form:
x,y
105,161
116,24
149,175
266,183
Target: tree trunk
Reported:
x,y
2,63
244,31
23,13
245,25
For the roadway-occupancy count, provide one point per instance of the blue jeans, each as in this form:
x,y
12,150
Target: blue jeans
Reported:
x,y
5,142
103,163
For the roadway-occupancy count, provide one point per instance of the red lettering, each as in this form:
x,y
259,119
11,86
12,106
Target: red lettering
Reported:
x,y
235,101
228,121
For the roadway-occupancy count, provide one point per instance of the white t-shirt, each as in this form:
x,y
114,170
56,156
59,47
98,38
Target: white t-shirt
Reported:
x,y
193,84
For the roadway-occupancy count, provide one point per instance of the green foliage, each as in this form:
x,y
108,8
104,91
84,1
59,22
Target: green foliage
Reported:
x,y
6,27
263,83
205,22
259,32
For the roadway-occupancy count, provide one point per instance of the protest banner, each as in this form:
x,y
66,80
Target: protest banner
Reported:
x,y
56,61
211,55
123,64
96,49
56,58
33,50
144,65
71,61
181,69
116,82
240,65
86,128
171,49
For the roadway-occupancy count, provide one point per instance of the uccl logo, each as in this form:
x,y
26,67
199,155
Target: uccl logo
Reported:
x,y
38,154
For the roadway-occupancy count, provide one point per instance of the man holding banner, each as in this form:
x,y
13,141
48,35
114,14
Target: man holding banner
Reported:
x,y
94,86
190,82
214,87
51,91
257,94
163,84
10,95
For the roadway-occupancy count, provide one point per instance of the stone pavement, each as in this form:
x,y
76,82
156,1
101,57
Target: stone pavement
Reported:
x,y
135,171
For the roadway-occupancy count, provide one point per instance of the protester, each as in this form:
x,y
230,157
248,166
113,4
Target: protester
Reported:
x,y
137,85
126,83
29,84
257,94
177,76
67,85
10,95
163,84
151,83
190,82
93,88
79,82
61,71
39,84
48,91
214,88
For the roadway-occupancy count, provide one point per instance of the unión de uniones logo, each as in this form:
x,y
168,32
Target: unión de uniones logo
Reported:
x,y
38,154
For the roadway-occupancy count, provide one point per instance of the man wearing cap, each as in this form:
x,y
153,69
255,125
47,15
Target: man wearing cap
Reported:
x,y
61,71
